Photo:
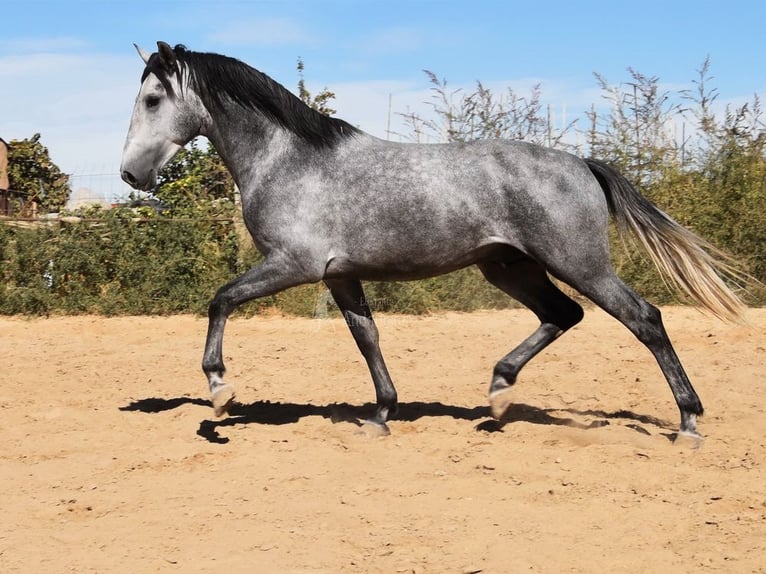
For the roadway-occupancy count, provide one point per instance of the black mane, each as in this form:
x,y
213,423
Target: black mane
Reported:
x,y
215,78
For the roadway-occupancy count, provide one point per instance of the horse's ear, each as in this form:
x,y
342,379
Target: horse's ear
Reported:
x,y
167,56
143,53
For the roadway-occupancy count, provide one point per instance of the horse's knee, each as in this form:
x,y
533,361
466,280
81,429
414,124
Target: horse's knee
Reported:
x,y
219,306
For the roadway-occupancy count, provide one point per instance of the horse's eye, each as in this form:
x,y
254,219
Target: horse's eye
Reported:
x,y
152,102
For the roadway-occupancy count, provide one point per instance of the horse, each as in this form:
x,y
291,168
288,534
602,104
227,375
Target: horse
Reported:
x,y
326,202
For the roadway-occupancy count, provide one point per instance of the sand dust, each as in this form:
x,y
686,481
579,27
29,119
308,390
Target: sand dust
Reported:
x,y
112,460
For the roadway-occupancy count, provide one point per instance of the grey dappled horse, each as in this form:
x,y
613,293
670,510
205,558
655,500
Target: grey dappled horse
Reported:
x,y
325,201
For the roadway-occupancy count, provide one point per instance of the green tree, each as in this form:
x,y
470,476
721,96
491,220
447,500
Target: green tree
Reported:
x,y
195,177
318,102
635,134
713,182
729,204
483,114
33,175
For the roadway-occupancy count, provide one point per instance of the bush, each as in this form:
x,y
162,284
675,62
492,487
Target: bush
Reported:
x,y
115,262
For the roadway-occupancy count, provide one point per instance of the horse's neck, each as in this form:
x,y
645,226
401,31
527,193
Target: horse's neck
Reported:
x,y
250,146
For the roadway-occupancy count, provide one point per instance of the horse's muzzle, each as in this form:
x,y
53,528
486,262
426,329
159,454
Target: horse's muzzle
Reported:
x,y
135,183
129,178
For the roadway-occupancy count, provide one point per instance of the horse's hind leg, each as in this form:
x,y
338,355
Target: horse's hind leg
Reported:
x,y
349,296
645,322
527,282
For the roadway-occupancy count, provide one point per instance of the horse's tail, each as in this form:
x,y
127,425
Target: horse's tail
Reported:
x,y
691,263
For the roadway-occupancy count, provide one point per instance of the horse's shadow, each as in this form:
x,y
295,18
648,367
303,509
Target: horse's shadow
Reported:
x,y
279,413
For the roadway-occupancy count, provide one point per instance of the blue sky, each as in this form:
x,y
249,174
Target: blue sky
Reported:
x,y
68,69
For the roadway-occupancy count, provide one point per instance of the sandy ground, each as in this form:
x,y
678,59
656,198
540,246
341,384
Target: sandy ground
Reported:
x,y
112,460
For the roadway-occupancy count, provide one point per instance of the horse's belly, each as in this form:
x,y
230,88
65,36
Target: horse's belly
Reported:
x,y
407,266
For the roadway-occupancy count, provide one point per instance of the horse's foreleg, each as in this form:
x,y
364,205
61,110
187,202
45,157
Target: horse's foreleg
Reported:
x,y
221,394
269,277
349,296
527,282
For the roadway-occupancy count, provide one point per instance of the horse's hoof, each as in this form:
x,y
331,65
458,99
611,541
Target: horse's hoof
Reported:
x,y
222,397
500,401
688,439
374,429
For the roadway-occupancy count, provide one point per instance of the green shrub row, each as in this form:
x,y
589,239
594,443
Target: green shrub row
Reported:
x,y
117,263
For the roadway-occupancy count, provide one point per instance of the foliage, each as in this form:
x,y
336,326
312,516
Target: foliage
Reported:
x,y
320,101
713,182
118,261
637,135
33,175
729,206
482,114
194,176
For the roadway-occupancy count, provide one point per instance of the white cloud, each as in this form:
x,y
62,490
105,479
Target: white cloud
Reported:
x,y
394,40
262,32
374,106
79,103
41,45
30,66
379,107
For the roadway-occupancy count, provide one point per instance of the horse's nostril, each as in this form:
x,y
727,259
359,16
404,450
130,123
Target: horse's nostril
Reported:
x,y
128,178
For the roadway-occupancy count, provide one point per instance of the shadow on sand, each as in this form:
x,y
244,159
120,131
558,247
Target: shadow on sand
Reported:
x,y
278,413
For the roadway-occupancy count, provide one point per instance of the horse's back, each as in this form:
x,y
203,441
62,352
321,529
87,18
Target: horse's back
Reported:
x,y
494,187
409,210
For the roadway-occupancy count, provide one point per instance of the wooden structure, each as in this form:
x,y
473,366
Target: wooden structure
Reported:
x,y
11,200
5,200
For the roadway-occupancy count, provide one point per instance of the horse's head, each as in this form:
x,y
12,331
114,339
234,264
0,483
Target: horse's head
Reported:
x,y
166,116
